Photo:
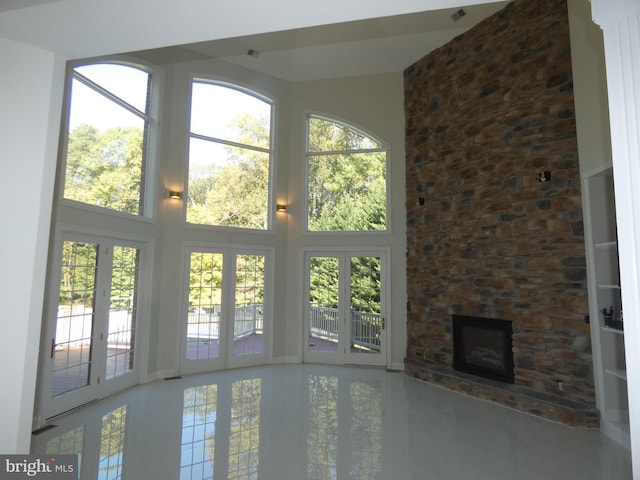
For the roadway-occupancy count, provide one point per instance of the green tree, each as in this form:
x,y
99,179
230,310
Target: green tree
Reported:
x,y
205,280
233,191
78,274
105,169
346,179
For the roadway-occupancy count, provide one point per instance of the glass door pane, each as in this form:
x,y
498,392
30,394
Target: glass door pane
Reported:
x,y
366,322
205,306
73,341
248,322
121,326
324,295
345,310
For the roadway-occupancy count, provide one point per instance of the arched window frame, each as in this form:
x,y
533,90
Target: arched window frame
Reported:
x,y
151,135
271,151
384,147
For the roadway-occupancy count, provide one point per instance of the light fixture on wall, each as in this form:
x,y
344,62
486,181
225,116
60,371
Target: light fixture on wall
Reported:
x,y
281,207
420,201
544,176
175,195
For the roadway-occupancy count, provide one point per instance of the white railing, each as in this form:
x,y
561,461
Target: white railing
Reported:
x,y
366,328
74,327
248,320
324,323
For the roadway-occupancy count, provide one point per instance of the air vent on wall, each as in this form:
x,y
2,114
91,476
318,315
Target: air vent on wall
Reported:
x,y
458,15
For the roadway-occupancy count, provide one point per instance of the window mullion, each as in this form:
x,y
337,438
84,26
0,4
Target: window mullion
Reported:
x,y
230,143
325,153
94,86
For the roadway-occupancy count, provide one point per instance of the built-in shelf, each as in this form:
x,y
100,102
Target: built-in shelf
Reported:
x,y
604,293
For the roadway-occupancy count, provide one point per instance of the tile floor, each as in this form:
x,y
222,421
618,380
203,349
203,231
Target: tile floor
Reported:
x,y
320,422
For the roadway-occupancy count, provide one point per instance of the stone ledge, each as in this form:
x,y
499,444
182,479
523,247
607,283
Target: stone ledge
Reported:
x,y
550,407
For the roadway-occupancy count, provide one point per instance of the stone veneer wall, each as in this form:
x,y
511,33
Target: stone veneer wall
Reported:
x,y
484,115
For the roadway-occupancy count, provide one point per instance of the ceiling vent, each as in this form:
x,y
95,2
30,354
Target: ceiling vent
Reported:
x,y
458,15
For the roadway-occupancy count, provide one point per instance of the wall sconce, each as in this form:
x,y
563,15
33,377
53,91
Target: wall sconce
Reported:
x,y
544,176
420,201
174,194
281,207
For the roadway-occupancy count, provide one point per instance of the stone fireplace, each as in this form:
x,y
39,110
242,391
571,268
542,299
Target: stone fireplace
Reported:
x,y
486,114
483,347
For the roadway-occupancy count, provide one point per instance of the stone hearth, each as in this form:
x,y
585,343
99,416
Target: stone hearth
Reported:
x,y
551,407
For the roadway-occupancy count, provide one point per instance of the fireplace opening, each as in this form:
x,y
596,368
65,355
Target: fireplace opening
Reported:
x,y
483,347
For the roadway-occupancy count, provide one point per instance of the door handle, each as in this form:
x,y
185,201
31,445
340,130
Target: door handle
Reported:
x,y
384,323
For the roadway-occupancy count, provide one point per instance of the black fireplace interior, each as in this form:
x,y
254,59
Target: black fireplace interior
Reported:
x,y
483,347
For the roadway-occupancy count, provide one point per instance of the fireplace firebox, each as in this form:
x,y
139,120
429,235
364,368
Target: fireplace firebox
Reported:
x,y
483,347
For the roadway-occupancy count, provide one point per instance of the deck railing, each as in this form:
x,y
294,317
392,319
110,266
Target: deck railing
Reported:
x,y
366,328
324,323
249,319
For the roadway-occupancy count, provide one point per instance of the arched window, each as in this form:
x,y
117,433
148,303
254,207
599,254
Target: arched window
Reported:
x,y
107,133
346,178
230,150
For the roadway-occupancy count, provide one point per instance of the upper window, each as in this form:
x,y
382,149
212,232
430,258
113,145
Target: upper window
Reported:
x,y
230,150
105,163
346,184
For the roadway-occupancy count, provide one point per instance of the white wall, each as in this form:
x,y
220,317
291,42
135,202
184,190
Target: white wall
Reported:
x,y
172,232
375,103
620,22
589,88
31,96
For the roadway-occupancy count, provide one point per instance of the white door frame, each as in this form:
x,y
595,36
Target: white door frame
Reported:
x,y
226,358
98,387
345,357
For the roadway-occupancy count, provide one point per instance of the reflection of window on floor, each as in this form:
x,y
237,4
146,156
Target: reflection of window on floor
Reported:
x,y
354,433
198,432
68,443
244,435
322,447
366,430
112,444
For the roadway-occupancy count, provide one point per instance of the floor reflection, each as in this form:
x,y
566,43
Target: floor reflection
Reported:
x,y
319,422
199,417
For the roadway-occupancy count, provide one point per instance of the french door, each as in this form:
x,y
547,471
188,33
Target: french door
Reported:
x,y
91,347
225,308
345,318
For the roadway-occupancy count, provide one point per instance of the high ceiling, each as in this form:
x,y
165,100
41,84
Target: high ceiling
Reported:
x,y
373,46
294,40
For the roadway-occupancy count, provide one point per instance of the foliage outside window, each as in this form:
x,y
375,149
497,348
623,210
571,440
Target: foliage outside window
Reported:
x,y
346,189
108,123
230,152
